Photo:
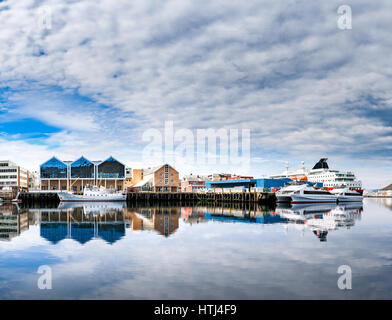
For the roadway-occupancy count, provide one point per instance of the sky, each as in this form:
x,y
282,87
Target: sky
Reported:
x,y
91,78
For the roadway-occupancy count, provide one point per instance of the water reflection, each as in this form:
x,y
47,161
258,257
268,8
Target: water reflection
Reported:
x,y
321,218
13,222
84,222
206,251
387,202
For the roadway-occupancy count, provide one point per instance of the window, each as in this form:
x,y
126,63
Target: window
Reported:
x,y
166,174
111,169
82,168
53,169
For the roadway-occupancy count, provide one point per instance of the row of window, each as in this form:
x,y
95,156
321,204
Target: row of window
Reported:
x,y
8,177
74,188
160,181
8,170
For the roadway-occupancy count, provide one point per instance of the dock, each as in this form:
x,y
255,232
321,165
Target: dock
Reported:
x,y
212,197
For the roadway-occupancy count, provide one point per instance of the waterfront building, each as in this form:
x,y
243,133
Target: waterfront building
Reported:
x,y
34,180
385,192
226,176
192,183
128,178
248,183
56,174
13,176
163,178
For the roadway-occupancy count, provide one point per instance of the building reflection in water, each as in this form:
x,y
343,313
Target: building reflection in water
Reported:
x,y
83,222
106,220
387,202
109,221
13,221
163,220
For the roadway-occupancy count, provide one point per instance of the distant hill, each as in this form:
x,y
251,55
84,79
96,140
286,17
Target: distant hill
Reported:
x,y
387,188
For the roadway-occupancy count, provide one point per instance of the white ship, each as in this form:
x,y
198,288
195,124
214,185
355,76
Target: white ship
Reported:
x,y
321,173
92,194
347,195
284,194
305,194
333,178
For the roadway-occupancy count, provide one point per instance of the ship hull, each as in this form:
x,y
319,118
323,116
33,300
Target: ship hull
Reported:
x,y
283,198
350,199
313,199
69,197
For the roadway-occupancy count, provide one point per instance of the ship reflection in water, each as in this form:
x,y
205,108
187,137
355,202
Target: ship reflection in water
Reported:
x,y
321,218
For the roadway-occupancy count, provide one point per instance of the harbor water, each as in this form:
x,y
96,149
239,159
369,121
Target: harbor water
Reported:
x,y
197,251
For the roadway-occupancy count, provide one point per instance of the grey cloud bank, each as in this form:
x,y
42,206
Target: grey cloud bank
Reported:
x,y
282,69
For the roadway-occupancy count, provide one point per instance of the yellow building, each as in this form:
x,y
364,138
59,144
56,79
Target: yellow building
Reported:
x,y
159,179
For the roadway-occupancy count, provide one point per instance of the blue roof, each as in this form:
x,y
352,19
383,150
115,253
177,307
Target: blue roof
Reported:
x,y
234,181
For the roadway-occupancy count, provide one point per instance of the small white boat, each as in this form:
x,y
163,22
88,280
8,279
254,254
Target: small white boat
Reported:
x,y
92,194
284,194
347,195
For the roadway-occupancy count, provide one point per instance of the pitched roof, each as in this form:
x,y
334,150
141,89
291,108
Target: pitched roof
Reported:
x,y
143,182
154,169
387,188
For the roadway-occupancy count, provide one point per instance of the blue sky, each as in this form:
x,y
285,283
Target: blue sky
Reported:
x,y
104,73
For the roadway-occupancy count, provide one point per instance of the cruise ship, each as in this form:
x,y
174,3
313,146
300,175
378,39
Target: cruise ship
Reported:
x,y
333,178
322,173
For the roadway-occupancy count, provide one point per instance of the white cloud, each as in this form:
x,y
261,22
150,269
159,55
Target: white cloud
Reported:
x,y
283,70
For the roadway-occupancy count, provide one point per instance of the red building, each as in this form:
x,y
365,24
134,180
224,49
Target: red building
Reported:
x,y
193,183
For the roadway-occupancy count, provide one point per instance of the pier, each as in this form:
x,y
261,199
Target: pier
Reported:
x,y
213,197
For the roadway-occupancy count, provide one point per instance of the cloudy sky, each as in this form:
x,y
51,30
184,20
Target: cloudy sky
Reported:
x,y
88,77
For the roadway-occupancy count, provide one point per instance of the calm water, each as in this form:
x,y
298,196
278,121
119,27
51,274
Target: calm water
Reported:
x,y
107,251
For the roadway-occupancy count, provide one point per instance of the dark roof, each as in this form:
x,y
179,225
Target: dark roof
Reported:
x,y
387,187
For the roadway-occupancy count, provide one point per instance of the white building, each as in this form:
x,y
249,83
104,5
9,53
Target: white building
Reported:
x,y
34,180
12,175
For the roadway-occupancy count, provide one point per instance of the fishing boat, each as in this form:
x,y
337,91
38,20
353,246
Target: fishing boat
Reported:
x,y
92,194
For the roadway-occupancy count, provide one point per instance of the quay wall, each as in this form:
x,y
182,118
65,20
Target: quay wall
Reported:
x,y
233,197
